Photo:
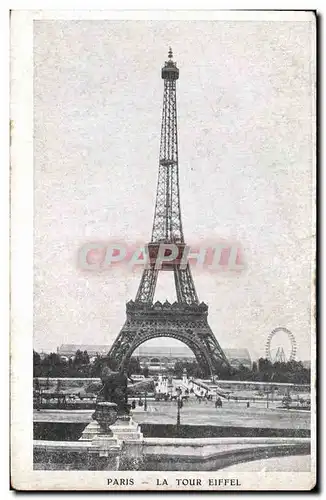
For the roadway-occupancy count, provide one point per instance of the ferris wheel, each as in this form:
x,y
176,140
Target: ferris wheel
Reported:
x,y
275,351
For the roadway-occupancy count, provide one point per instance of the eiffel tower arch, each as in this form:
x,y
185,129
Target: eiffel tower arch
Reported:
x,y
186,319
183,322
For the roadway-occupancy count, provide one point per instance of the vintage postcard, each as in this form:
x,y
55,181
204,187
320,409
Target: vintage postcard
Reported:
x,y
163,250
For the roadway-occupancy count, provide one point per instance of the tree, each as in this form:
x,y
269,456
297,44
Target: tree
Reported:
x,y
96,366
79,359
192,369
134,366
80,364
112,363
178,369
36,384
37,368
244,373
146,371
59,385
51,365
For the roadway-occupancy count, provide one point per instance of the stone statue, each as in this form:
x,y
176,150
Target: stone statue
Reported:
x,y
114,389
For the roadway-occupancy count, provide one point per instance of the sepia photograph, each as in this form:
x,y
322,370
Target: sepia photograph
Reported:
x,y
168,199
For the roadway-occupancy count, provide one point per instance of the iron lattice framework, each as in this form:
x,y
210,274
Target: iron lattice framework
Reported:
x,y
186,319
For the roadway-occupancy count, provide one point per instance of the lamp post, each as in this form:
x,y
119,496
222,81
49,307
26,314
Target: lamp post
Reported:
x,y
179,406
268,392
178,412
145,402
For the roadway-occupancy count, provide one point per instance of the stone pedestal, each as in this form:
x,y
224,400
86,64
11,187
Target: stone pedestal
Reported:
x,y
125,429
105,452
91,431
128,434
114,441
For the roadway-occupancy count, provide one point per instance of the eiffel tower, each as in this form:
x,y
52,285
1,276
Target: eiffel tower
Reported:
x,y
186,319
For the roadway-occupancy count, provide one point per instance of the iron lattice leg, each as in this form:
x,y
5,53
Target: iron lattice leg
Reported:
x,y
147,286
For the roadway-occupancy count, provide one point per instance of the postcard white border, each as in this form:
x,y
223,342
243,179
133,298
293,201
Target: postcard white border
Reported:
x,y
23,475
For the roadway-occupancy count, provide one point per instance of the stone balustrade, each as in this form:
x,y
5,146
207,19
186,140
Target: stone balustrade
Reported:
x,y
127,449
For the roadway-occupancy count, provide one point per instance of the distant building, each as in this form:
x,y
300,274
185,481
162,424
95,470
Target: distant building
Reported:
x,y
162,358
69,350
238,357
158,358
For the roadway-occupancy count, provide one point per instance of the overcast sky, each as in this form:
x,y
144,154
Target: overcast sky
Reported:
x,y
245,159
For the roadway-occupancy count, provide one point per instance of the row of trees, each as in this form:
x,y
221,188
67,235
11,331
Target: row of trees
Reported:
x,y
192,368
262,371
52,365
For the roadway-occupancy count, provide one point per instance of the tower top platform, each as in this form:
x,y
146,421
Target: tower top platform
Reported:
x,y
170,70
